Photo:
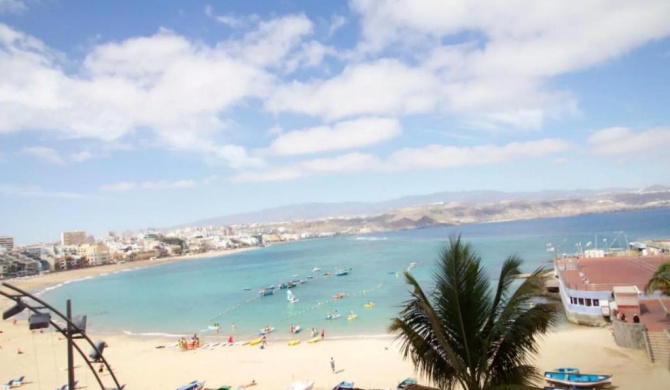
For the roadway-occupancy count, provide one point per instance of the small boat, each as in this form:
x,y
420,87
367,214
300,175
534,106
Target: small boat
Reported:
x,y
343,272
352,317
567,370
338,295
344,385
296,329
195,385
316,269
267,330
577,380
247,289
333,316
405,383
265,292
301,385
369,305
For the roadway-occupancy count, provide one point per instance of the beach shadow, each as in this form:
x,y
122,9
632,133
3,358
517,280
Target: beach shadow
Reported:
x,y
339,371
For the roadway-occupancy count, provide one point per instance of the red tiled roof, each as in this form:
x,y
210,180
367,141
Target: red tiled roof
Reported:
x,y
606,272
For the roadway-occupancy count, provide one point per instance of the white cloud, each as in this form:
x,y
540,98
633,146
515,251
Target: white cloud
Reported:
x,y
352,162
443,156
336,22
228,20
44,153
117,187
81,156
428,157
379,88
37,191
12,6
168,185
176,89
343,135
621,140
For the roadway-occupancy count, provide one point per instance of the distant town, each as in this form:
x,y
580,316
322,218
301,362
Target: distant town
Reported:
x,y
77,249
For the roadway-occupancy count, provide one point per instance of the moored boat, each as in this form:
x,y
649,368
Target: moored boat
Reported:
x,y
265,292
405,383
266,330
343,272
577,380
195,385
301,385
344,385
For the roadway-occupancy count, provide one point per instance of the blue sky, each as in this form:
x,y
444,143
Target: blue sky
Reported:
x,y
122,115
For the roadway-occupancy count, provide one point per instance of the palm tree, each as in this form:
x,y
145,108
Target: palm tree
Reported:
x,y
660,280
464,333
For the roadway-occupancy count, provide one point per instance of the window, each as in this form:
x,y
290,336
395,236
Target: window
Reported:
x,y
588,301
596,302
581,301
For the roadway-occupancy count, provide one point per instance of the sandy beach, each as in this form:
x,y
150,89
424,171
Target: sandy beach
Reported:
x,y
371,362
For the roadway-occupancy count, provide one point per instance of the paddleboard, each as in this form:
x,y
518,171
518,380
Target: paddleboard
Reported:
x,y
294,342
314,339
256,341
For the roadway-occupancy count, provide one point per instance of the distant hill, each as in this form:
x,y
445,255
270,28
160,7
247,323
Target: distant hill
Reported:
x,y
473,206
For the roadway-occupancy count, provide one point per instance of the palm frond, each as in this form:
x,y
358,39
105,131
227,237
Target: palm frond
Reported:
x,y
660,280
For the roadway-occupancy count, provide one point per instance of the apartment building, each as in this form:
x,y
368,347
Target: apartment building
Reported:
x,y
7,243
96,254
73,238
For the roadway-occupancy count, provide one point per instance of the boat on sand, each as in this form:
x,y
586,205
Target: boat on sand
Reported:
x,y
194,385
577,380
301,385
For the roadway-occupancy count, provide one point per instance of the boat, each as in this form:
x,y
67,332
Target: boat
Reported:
x,y
369,305
293,342
290,297
567,370
332,316
344,385
316,269
255,341
301,385
315,339
352,316
343,272
296,329
265,292
338,295
405,383
247,288
577,380
195,385
266,330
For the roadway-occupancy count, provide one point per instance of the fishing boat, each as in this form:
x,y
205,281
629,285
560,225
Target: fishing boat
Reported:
x,y
343,272
406,383
290,297
344,385
567,370
195,385
577,380
264,292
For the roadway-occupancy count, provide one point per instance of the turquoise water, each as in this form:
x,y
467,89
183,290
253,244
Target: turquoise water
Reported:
x,y
185,297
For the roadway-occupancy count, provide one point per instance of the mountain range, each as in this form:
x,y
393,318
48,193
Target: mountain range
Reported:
x,y
446,208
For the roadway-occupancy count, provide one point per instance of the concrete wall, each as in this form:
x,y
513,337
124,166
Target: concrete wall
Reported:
x,y
583,315
628,334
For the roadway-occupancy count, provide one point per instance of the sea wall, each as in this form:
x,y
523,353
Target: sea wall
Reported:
x,y
628,335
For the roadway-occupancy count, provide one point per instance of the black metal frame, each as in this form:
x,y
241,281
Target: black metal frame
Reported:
x,y
71,332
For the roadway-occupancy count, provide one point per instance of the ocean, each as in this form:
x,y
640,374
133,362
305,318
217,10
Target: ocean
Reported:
x,y
186,297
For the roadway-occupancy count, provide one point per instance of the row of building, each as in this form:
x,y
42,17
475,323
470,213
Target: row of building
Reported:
x,y
77,249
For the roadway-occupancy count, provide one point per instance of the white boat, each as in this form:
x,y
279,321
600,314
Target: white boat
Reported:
x,y
290,297
301,385
316,269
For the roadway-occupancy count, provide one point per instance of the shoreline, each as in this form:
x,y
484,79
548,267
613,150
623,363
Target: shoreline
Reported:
x,y
38,283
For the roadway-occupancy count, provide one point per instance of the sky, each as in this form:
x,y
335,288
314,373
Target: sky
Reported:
x,y
120,115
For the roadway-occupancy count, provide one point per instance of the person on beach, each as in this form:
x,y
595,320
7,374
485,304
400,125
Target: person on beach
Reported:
x,y
264,342
101,368
332,364
323,333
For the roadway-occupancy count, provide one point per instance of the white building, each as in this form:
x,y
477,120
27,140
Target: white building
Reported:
x,y
7,242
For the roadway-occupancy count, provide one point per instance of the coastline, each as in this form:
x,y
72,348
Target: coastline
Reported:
x,y
35,284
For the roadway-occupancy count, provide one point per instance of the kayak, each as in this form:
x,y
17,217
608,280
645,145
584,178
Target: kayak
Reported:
x,y
293,342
